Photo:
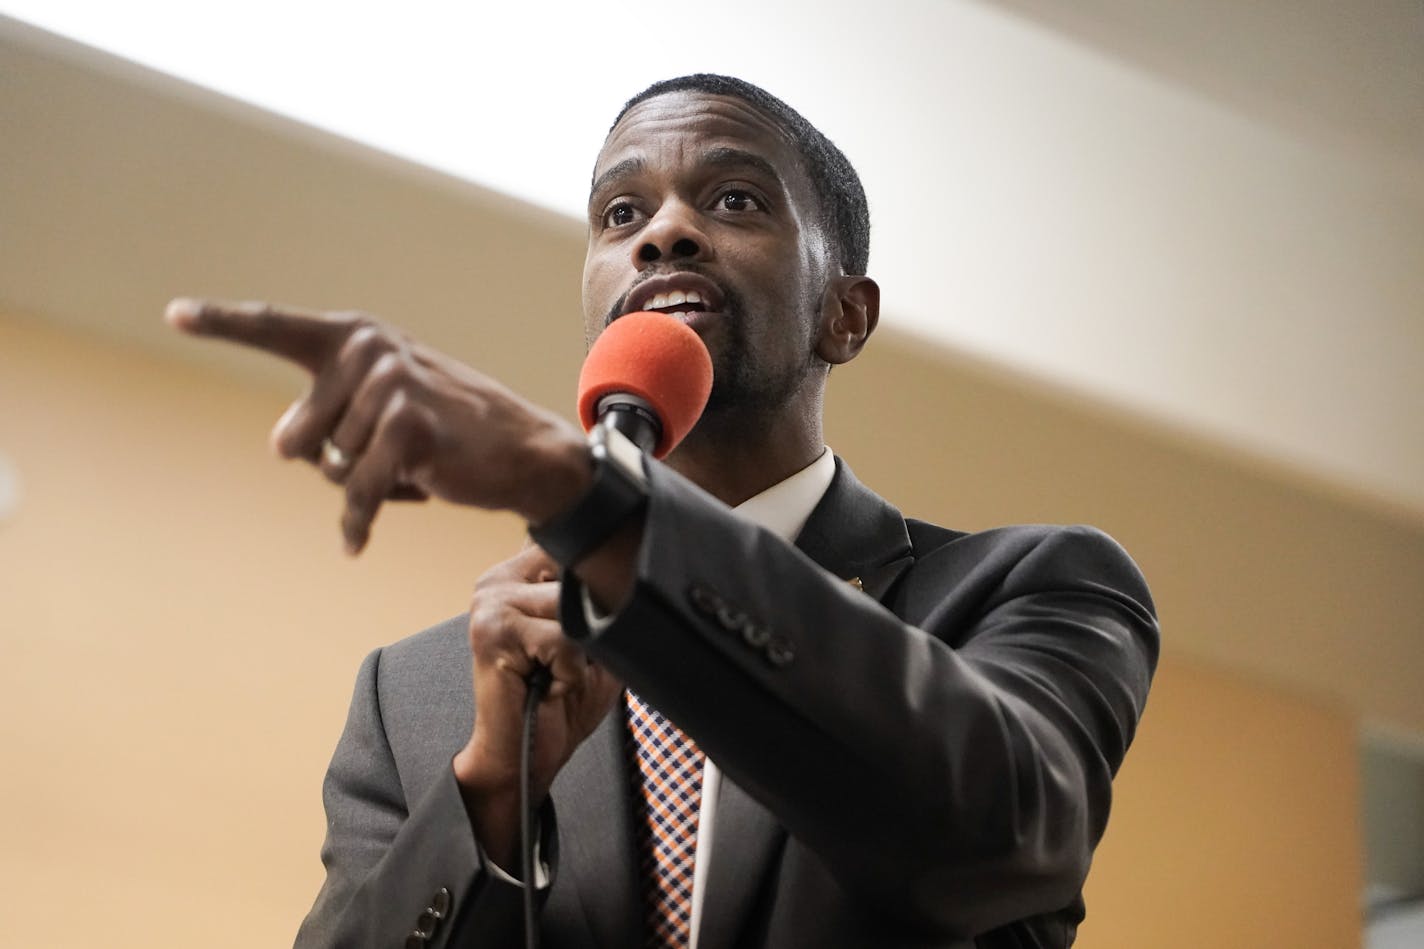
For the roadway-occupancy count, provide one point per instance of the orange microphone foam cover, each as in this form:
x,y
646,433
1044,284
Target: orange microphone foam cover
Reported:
x,y
657,358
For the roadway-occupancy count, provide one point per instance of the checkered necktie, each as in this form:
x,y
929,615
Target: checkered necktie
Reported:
x,y
669,785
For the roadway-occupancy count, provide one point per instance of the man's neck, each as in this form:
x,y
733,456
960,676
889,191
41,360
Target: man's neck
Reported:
x,y
741,458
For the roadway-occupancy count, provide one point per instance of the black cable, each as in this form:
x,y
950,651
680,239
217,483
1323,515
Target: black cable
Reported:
x,y
537,684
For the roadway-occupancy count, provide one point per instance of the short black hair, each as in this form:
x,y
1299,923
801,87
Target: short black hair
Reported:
x,y
845,214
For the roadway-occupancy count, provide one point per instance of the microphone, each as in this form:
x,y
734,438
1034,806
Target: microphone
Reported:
x,y
649,376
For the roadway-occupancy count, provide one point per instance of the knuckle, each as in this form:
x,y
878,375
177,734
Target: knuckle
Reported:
x,y
409,424
387,369
401,409
492,624
365,341
482,613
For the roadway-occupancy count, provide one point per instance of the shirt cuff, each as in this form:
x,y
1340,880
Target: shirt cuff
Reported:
x,y
541,869
596,620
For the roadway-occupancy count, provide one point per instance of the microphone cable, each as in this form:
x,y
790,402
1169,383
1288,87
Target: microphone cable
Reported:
x,y
537,686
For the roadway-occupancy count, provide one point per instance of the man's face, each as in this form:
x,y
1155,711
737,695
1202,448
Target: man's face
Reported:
x,y
700,208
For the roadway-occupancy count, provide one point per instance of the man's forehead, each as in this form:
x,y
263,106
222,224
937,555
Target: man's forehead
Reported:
x,y
688,118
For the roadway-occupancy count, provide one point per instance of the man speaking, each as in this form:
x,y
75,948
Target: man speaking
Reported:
x,y
781,714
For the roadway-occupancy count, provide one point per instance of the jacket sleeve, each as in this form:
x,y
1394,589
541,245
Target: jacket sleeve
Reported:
x,y
400,872
951,764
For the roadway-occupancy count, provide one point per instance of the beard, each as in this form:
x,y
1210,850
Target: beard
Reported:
x,y
742,386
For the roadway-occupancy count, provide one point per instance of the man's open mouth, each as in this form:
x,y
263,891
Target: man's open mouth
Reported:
x,y
679,295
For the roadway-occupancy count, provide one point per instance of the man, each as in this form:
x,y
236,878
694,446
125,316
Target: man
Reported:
x,y
910,732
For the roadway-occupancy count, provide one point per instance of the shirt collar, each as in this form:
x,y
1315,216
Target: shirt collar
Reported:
x,y
784,507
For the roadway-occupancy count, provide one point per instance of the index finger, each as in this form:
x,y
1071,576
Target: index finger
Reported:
x,y
305,337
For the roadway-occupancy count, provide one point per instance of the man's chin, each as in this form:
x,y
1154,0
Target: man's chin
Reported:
x,y
733,396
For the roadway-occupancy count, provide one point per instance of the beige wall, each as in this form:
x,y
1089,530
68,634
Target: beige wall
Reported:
x,y
179,632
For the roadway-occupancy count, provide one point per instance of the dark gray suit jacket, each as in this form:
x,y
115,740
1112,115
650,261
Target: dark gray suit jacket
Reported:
x,y
924,763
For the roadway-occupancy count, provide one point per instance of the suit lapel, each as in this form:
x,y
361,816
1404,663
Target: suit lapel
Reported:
x,y
598,863
854,534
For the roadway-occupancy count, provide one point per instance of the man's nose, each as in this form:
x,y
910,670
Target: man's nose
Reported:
x,y
672,234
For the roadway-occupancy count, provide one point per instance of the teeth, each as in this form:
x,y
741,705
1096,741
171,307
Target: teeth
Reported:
x,y
672,298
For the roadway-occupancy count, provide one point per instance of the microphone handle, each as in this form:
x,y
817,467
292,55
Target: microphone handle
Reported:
x,y
633,417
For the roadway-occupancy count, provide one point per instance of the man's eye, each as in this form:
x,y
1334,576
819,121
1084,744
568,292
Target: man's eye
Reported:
x,y
739,201
620,214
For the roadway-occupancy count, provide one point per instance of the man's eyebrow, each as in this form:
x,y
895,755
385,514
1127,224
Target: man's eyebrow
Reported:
x,y
625,168
726,156
722,157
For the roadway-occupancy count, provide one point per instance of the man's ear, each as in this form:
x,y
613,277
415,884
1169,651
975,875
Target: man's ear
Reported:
x,y
849,311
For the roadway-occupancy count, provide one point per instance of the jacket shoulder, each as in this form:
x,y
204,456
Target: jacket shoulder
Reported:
x,y
423,699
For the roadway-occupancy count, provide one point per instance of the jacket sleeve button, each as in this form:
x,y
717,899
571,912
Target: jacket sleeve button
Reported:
x,y
704,599
779,652
730,618
755,636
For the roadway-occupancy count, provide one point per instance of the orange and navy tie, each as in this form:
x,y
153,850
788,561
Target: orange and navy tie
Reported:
x,y
669,782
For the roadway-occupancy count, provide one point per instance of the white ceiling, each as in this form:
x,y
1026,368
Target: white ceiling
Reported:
x,y
1212,214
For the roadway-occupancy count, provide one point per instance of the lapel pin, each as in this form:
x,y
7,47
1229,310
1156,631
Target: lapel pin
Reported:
x,y
855,582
